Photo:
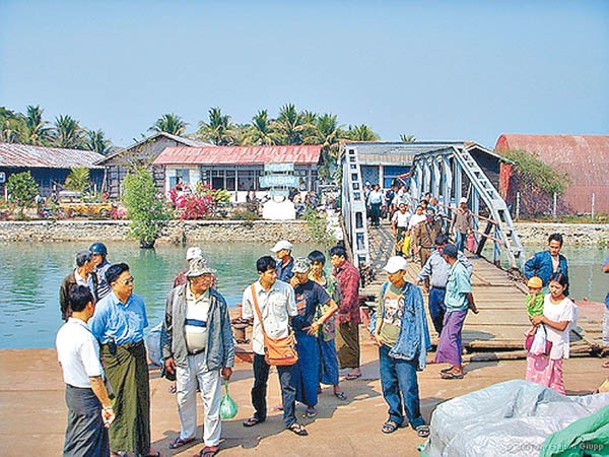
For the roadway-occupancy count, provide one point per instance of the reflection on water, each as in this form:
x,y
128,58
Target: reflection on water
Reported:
x,y
30,275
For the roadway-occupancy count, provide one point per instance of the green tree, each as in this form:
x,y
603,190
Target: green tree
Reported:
x,y
407,138
68,134
78,179
361,133
328,134
12,126
145,208
220,130
36,132
96,141
22,190
260,132
291,125
169,123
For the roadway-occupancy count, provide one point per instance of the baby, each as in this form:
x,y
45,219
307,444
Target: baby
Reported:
x,y
534,300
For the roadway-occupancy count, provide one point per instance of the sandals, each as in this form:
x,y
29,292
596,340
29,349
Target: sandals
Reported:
x,y
446,370
353,376
451,375
340,395
179,442
252,421
209,451
298,429
310,413
422,431
391,426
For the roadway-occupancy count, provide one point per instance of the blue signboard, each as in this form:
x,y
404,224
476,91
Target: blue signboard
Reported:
x,y
279,181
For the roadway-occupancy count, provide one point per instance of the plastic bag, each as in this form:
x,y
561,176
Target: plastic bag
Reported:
x,y
228,407
470,243
541,345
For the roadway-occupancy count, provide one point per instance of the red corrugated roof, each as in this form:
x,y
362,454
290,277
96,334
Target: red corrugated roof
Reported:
x,y
25,155
584,157
239,155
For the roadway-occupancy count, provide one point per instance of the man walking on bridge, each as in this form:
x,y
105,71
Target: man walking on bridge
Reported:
x,y
424,236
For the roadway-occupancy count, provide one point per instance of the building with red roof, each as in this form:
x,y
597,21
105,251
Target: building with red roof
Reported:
x,y
236,168
585,158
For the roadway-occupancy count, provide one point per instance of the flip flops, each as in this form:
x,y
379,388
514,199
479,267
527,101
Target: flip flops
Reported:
x,y
340,395
298,429
451,375
179,442
422,431
252,421
391,426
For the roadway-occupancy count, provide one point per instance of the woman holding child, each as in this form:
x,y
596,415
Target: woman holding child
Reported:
x,y
559,313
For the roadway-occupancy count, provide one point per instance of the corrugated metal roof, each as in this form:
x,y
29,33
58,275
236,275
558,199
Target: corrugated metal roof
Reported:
x,y
381,153
239,155
25,155
584,157
178,139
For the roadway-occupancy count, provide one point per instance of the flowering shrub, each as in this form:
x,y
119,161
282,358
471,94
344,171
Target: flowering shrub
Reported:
x,y
200,203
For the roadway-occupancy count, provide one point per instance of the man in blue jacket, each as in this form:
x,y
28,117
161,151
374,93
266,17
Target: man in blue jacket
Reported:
x,y
403,339
545,263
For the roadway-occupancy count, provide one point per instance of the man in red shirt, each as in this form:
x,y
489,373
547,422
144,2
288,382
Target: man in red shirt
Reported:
x,y
348,317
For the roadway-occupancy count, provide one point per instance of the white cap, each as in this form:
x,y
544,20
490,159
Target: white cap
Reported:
x,y
395,264
463,200
194,253
283,244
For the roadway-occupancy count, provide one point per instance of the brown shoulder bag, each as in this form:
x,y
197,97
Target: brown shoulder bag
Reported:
x,y
277,351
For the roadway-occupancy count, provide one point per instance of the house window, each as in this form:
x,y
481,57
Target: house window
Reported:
x,y
182,176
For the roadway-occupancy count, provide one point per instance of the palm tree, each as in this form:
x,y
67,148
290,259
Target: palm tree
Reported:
x,y
260,131
291,125
328,134
96,141
78,179
68,133
220,130
407,138
361,133
169,123
37,133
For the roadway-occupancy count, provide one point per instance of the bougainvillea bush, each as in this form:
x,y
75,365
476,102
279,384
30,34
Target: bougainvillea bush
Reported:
x,y
201,202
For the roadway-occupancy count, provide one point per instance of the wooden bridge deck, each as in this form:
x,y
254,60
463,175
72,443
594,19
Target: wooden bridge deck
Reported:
x,y
498,330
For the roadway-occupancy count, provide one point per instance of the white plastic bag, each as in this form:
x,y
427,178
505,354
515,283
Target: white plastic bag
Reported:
x,y
539,342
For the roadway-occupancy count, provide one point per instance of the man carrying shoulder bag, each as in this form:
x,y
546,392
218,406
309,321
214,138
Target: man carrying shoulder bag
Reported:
x,y
275,301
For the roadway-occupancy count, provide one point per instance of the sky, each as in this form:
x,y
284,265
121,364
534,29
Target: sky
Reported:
x,y
438,70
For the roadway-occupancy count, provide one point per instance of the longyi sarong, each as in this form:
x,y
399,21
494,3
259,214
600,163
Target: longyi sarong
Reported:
x,y
85,433
328,362
545,371
127,372
347,345
306,370
449,346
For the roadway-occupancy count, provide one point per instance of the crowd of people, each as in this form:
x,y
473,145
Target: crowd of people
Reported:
x,y
294,302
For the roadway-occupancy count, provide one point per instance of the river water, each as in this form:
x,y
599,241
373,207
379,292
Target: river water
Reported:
x,y
31,273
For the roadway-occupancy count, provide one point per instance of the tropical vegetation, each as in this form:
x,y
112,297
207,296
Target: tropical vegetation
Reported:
x,y
145,209
22,190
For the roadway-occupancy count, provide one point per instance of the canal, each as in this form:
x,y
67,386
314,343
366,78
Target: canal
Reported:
x,y
31,273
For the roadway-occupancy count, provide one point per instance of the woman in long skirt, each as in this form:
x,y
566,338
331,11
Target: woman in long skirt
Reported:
x,y
559,312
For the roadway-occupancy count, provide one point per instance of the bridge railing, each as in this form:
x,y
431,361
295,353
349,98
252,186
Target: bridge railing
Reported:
x,y
354,208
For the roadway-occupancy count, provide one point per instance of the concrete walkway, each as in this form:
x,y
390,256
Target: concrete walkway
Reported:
x,y
33,411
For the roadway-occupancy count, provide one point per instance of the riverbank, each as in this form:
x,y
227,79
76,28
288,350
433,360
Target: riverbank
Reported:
x,y
262,231
573,234
33,412
175,232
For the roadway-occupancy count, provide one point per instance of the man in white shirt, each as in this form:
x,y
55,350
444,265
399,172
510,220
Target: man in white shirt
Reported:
x,y
399,224
90,411
277,305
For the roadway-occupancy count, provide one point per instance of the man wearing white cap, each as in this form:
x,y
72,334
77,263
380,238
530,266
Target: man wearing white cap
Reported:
x,y
461,224
193,252
401,333
199,349
285,261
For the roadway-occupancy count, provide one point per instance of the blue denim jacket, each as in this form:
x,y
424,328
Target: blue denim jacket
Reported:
x,y
413,340
541,265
